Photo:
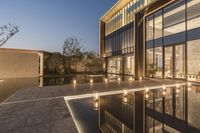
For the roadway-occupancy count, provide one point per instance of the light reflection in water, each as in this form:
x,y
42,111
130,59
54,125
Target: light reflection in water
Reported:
x,y
120,115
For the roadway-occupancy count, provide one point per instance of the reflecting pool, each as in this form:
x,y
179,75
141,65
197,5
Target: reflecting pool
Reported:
x,y
165,110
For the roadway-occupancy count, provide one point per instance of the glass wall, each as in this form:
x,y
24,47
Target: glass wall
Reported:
x,y
174,28
129,65
121,42
193,60
193,45
174,18
115,65
169,62
180,61
125,15
149,62
158,61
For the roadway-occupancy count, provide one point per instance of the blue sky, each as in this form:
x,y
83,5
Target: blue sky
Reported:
x,y
44,24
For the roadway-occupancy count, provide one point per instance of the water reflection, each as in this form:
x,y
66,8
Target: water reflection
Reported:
x,y
172,110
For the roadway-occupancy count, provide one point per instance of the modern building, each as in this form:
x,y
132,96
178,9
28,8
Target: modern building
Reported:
x,y
20,63
152,38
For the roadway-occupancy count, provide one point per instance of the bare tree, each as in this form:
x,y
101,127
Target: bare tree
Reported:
x,y
73,50
6,32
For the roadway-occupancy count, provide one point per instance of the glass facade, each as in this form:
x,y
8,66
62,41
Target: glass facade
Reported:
x,y
172,36
120,42
114,65
129,67
125,15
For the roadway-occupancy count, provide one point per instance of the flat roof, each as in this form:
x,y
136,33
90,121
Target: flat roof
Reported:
x,y
22,50
118,6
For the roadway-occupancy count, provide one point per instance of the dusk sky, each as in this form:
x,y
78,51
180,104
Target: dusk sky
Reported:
x,y
44,24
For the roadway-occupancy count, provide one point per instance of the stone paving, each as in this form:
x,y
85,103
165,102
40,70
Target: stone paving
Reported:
x,y
47,116
41,110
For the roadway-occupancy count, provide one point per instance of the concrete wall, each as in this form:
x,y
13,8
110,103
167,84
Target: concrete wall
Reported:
x,y
14,64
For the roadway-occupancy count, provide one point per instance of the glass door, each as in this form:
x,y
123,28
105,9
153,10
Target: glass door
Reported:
x,y
169,62
180,61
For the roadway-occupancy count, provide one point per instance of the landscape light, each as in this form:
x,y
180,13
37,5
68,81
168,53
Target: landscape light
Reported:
x,y
125,99
106,80
147,89
177,90
177,85
125,92
189,84
96,96
119,79
96,101
91,80
164,87
96,105
164,92
146,93
74,81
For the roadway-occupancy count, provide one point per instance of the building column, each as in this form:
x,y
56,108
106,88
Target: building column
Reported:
x,y
41,64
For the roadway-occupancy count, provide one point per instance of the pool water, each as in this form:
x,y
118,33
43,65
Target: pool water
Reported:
x,y
168,110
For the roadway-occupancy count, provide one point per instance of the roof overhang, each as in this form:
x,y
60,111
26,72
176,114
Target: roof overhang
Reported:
x,y
118,6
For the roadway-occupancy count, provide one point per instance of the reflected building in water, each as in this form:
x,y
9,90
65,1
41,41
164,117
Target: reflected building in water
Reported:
x,y
171,110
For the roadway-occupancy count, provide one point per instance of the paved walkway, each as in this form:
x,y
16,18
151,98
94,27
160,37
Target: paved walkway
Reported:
x,y
43,110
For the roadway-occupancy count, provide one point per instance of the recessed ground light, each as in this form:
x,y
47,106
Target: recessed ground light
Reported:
x,y
91,80
125,92
74,81
177,90
164,87
177,85
164,92
106,80
119,79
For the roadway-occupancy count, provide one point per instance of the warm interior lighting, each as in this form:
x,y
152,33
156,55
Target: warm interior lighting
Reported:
x,y
74,81
130,79
140,78
189,88
1,80
189,84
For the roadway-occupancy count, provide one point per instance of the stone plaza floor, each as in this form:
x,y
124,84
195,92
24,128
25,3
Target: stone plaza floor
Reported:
x,y
44,109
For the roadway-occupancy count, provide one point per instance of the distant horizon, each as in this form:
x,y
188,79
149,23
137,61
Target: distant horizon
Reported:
x,y
44,25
